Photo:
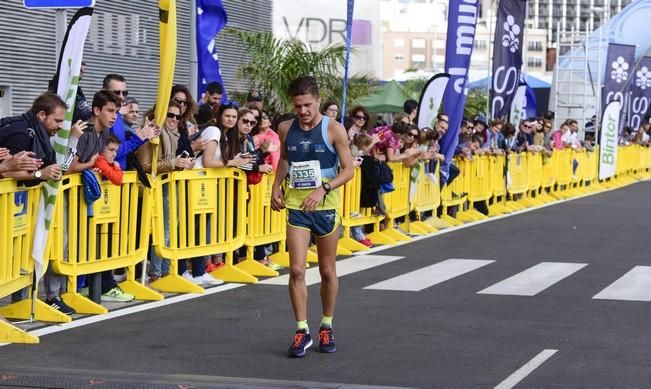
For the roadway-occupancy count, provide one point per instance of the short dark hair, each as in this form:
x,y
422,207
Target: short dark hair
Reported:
x,y
253,96
214,87
112,139
440,116
104,97
400,127
131,100
324,106
111,77
48,102
409,106
305,85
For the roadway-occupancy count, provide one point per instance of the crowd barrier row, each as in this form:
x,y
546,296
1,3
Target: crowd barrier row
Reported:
x,y
203,212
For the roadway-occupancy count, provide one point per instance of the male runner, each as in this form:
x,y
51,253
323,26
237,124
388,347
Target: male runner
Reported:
x,y
315,159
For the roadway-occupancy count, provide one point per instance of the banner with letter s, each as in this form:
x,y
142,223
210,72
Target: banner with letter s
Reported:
x,y
462,23
507,55
640,93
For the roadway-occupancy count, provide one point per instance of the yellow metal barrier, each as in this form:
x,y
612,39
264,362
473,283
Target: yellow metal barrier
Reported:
x,y
18,207
564,158
353,215
207,215
111,238
427,198
549,174
263,226
456,194
396,202
479,187
498,186
516,179
534,178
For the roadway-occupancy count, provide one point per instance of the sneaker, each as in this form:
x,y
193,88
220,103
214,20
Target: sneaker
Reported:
x,y
273,266
355,215
120,277
326,340
302,341
207,279
188,276
210,267
117,294
58,304
366,242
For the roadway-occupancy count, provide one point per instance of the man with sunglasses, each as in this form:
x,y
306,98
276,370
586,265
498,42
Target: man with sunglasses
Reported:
x,y
130,143
315,159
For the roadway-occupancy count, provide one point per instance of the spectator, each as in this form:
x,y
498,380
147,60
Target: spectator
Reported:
x,y
410,107
187,125
254,100
495,137
82,110
330,109
105,162
27,139
267,141
213,95
168,160
131,114
130,143
359,122
510,144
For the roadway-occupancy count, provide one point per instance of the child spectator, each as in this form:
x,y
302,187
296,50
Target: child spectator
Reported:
x,y
105,162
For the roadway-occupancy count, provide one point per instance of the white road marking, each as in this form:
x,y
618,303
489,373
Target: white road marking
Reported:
x,y
632,286
535,279
431,275
526,369
344,267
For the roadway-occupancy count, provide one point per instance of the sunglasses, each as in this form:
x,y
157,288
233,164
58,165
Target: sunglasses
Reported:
x,y
360,117
411,134
332,110
265,117
250,122
171,115
181,102
124,93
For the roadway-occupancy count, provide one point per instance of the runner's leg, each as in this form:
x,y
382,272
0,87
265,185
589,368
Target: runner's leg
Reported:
x,y
298,241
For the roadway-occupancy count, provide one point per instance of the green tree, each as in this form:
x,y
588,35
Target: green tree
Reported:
x,y
476,103
273,63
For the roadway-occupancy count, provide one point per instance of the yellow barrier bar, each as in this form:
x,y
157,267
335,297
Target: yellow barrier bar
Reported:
x,y
455,194
263,226
427,198
200,200
498,203
479,187
18,207
396,202
353,215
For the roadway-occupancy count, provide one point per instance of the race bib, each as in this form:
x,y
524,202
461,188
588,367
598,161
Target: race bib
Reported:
x,y
305,175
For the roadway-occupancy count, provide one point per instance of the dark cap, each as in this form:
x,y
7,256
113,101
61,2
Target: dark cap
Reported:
x,y
253,96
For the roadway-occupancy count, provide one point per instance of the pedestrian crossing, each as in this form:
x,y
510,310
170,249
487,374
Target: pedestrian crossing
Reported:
x,y
634,285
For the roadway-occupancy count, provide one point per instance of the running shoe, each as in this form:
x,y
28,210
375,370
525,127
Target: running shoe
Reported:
x,y
302,341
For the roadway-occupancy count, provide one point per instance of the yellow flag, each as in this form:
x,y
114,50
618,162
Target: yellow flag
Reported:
x,y
167,18
167,23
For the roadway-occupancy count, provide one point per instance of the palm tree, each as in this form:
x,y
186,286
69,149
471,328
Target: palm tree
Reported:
x,y
273,63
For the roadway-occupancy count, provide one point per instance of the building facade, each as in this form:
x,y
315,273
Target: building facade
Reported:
x,y
123,38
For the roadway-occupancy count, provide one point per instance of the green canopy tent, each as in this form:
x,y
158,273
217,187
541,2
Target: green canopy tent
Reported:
x,y
389,98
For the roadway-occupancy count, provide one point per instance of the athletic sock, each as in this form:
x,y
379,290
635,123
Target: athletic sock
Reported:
x,y
302,325
326,321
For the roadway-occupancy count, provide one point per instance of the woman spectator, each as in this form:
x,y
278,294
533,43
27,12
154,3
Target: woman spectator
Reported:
x,y
266,140
181,96
330,109
359,122
168,160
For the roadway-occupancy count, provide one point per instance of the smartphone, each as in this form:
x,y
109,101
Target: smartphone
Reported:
x,y
185,154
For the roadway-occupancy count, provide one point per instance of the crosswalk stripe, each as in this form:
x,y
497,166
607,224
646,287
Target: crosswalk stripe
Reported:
x,y
535,279
429,276
345,267
632,286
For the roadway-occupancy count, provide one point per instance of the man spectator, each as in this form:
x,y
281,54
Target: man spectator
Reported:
x,y
130,112
411,108
27,136
254,101
82,108
213,95
105,109
130,143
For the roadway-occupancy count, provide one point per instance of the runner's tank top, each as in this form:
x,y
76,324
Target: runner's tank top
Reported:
x,y
311,145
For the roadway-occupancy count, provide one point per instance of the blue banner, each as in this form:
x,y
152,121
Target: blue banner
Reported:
x,y
462,20
619,66
507,55
639,93
349,33
211,18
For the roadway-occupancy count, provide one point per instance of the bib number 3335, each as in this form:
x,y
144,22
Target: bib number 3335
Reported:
x,y
305,175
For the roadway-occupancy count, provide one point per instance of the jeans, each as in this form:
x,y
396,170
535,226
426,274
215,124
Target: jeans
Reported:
x,y
160,266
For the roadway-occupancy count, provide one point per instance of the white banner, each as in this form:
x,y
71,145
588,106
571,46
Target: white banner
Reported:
x,y
609,140
68,79
430,100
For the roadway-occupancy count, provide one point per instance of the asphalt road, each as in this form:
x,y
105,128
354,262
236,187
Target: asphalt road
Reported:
x,y
535,324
